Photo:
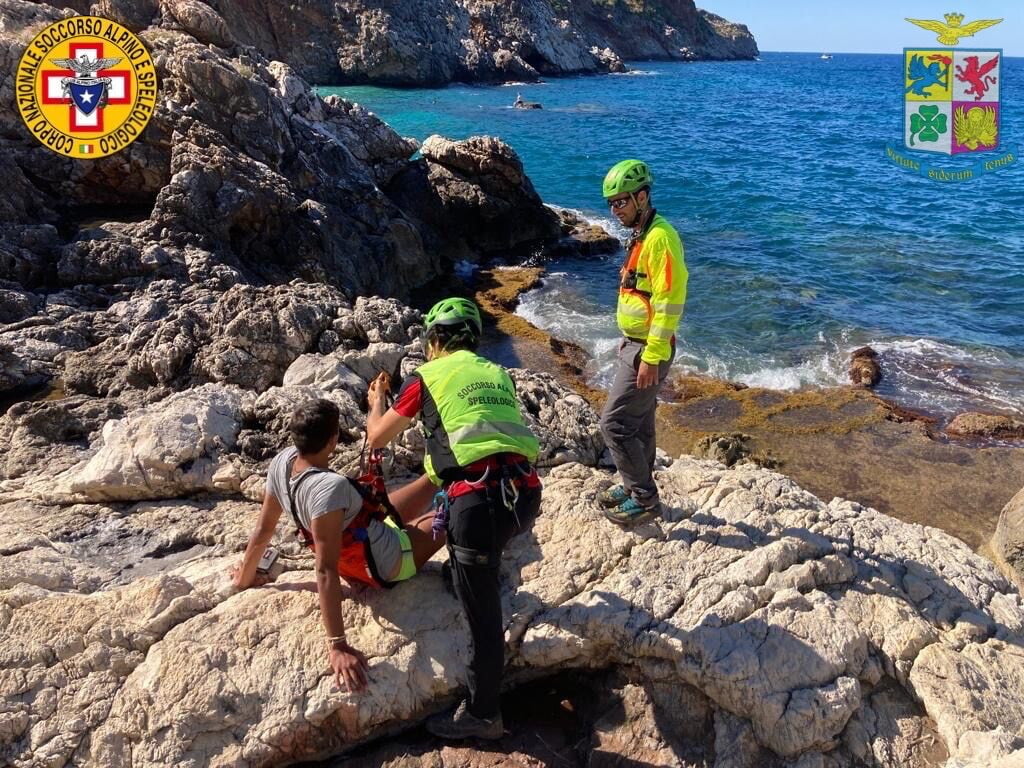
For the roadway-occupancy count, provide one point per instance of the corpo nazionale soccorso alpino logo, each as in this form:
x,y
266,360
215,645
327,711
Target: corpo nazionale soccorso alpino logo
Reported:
x,y
86,87
952,104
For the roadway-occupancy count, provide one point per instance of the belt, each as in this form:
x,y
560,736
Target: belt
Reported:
x,y
495,461
672,341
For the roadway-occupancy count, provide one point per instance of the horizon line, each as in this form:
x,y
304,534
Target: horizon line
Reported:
x,y
891,53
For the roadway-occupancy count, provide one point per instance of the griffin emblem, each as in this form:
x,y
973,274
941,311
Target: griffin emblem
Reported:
x,y
954,28
977,75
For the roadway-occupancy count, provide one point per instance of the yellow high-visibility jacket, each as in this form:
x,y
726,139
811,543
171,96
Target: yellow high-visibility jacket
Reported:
x,y
652,290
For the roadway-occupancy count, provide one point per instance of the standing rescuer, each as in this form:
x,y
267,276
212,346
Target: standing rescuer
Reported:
x,y
479,450
652,292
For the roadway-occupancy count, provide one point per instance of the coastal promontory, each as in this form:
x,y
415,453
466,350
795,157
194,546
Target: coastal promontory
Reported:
x,y
419,43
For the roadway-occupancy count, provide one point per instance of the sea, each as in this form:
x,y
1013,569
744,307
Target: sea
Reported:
x,y
803,240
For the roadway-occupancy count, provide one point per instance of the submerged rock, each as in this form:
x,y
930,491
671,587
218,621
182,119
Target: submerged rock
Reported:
x,y
996,426
725,449
807,633
581,237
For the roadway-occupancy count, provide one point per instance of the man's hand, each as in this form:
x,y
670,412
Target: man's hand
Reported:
x,y
378,392
350,668
259,580
646,375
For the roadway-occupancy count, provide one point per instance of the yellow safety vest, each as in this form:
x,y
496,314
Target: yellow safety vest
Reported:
x,y
652,290
472,413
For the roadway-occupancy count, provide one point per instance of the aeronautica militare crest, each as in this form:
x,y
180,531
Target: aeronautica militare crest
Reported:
x,y
86,87
952,104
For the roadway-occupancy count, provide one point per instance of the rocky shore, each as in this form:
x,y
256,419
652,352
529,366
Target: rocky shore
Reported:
x,y
259,246
844,441
434,43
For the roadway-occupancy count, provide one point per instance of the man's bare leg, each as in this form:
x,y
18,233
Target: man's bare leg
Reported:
x,y
424,545
413,499
413,502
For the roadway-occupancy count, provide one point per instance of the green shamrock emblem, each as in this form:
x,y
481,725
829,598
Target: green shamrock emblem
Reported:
x,y
927,124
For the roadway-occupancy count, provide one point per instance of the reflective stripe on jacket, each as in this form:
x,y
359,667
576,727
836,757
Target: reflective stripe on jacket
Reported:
x,y
652,290
470,411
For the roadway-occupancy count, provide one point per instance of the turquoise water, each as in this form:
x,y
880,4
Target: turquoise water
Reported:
x,y
802,240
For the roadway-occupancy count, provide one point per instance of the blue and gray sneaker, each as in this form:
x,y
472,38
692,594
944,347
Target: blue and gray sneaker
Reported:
x,y
631,512
613,496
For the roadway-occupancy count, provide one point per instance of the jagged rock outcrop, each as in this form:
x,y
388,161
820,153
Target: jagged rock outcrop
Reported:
x,y
468,194
196,394
808,634
244,179
471,40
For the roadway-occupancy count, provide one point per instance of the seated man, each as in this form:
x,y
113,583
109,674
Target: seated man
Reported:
x,y
347,539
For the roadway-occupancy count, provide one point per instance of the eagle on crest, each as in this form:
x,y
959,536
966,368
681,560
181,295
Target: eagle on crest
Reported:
x,y
954,28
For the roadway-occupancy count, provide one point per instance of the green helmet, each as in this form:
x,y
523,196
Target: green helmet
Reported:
x,y
627,177
452,312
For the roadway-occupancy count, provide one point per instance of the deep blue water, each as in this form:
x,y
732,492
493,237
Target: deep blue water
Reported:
x,y
802,240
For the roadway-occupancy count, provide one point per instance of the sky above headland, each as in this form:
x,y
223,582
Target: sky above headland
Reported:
x,y
867,26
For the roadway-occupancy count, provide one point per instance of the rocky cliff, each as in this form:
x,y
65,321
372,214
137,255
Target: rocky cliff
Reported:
x,y
243,178
397,42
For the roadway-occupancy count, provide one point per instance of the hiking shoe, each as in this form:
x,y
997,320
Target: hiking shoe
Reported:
x,y
463,725
612,497
631,512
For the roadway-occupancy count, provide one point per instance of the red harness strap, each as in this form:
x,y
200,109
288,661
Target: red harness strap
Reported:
x,y
355,561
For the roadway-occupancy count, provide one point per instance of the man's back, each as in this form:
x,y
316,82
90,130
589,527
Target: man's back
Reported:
x,y
318,492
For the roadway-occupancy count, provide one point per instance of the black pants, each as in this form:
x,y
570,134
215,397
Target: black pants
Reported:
x,y
481,522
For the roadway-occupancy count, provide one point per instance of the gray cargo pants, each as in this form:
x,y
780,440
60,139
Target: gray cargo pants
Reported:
x,y
627,423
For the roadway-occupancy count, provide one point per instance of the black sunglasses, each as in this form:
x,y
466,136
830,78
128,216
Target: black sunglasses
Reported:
x,y
618,205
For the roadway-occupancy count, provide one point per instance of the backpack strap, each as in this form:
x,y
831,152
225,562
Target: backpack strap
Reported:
x,y
300,530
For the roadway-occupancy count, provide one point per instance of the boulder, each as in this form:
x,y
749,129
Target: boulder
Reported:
x,y
725,449
261,331
995,426
53,435
581,238
865,370
474,198
752,625
170,449
567,427
1008,540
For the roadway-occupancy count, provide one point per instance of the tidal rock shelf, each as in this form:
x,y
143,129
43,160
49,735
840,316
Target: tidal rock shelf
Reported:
x,y
810,634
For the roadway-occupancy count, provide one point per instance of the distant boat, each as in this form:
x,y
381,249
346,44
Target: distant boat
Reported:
x,y
826,56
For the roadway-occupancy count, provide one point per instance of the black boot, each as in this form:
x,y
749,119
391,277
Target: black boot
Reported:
x,y
462,725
